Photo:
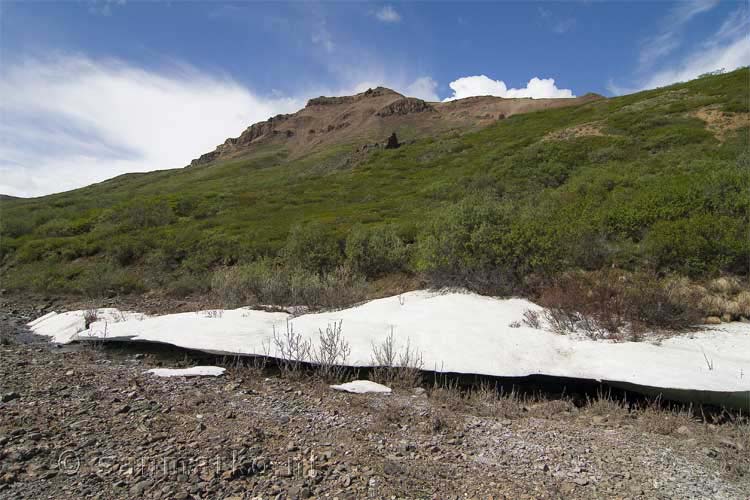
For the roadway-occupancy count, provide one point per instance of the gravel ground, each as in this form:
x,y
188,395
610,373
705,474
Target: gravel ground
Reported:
x,y
89,423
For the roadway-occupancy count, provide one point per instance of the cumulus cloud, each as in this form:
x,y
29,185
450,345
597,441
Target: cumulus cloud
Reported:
x,y
424,88
70,121
387,14
537,88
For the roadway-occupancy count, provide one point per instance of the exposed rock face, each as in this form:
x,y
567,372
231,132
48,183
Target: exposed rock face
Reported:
x,y
405,106
253,132
329,101
260,129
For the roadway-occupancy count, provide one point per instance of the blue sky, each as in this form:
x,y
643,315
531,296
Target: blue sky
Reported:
x,y
89,90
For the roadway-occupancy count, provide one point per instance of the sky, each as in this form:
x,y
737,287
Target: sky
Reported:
x,y
93,89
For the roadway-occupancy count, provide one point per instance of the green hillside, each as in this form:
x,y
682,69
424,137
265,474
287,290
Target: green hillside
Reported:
x,y
654,181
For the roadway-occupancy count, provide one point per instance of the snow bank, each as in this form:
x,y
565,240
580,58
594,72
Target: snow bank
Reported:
x,y
455,332
362,387
195,371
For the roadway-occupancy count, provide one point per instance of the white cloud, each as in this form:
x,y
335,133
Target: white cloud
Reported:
x,y
70,121
727,57
388,14
728,48
537,88
669,37
424,88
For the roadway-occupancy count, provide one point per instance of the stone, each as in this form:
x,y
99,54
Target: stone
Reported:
x,y
10,396
392,142
713,320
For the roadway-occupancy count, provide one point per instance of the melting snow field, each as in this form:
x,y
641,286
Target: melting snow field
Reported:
x,y
195,371
455,332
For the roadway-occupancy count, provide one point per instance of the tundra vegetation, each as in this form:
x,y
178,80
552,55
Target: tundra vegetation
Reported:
x,y
632,210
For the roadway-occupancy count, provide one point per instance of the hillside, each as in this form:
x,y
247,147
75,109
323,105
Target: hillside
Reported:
x,y
372,115
654,181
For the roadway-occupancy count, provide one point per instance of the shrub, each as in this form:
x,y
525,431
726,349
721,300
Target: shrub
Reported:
x,y
126,250
105,280
267,282
468,244
186,284
144,214
375,251
611,303
312,247
698,246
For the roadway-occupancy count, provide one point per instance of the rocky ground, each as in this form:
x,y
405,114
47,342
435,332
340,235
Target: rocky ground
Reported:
x,y
89,423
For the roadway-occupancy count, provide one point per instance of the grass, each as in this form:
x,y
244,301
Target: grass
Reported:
x,y
658,191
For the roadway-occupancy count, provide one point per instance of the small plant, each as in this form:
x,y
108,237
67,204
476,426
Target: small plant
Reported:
x,y
291,349
531,319
90,316
396,368
709,361
515,324
332,353
97,338
252,366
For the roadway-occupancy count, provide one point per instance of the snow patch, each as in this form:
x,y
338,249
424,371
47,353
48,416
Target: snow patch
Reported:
x,y
454,332
362,387
195,371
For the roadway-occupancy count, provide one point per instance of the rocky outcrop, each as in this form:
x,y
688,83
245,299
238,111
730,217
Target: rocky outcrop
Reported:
x,y
328,101
261,129
254,132
405,106
392,142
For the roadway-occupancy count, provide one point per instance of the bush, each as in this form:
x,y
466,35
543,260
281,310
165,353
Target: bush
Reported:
x,y
186,284
700,245
143,214
105,280
461,238
376,251
312,247
267,282
612,303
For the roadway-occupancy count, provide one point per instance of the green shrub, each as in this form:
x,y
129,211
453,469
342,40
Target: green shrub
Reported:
x,y
187,284
267,282
313,247
143,214
699,245
106,280
375,251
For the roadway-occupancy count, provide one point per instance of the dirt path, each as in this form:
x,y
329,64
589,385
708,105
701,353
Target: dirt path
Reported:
x,y
89,424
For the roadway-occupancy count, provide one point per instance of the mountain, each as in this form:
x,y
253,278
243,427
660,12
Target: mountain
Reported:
x,y
372,116
654,181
